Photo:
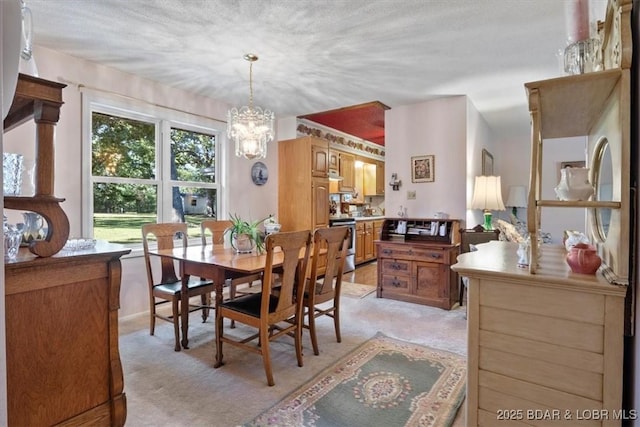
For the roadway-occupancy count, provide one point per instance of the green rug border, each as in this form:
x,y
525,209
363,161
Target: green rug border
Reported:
x,y
324,371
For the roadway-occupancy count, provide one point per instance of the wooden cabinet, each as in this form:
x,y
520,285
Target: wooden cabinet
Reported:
x,y
380,182
303,192
377,230
414,265
551,340
359,242
365,238
368,241
596,106
347,169
61,308
63,360
319,159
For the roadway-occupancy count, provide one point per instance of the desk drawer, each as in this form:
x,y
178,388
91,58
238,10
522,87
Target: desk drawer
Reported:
x,y
395,266
418,254
395,284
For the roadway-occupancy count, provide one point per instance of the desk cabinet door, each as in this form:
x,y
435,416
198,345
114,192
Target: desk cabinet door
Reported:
x,y
429,281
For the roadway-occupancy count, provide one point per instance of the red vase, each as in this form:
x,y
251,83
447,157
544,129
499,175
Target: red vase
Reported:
x,y
583,259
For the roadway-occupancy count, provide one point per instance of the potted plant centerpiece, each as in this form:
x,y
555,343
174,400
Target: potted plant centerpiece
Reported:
x,y
245,235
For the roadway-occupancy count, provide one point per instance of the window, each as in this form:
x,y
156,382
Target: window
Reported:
x,y
148,164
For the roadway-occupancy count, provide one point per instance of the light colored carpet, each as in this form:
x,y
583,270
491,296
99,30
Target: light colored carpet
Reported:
x,y
168,388
384,381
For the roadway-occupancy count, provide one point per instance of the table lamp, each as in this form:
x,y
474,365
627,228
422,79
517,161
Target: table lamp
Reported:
x,y
517,198
487,195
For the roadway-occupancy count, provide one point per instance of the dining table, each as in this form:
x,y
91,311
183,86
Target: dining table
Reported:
x,y
212,262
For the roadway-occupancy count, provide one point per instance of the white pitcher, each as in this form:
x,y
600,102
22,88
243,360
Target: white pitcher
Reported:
x,y
574,184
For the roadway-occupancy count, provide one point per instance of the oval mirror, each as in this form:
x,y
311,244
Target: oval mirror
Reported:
x,y
603,183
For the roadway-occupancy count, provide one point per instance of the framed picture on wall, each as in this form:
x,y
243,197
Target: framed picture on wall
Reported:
x,y
487,163
423,168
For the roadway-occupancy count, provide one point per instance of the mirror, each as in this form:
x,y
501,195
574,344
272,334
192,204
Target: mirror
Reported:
x,y
603,183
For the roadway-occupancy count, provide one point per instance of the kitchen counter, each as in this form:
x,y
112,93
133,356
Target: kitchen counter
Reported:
x,y
368,218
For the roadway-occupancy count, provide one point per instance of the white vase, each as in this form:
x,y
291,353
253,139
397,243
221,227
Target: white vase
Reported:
x,y
574,184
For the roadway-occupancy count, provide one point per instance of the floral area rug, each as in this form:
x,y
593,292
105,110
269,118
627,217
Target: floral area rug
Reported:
x,y
384,382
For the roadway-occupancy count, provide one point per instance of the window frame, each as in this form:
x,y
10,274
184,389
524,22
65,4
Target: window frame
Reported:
x,y
164,119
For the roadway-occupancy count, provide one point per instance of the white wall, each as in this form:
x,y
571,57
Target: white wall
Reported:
x,y
479,137
435,127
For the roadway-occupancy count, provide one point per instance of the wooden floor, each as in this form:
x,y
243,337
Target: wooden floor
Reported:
x,y
366,274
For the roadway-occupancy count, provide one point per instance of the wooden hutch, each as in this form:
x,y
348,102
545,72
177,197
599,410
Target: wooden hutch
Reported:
x,y
544,338
62,357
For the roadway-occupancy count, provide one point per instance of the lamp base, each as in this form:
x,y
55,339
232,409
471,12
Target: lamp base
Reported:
x,y
487,221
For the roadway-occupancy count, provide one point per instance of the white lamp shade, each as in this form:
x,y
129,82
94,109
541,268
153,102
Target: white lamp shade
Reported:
x,y
517,196
487,193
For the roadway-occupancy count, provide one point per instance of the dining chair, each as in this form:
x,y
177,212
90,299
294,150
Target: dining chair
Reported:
x,y
334,242
217,229
468,239
273,316
169,288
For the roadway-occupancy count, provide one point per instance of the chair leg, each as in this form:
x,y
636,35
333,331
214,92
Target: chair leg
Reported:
x,y
266,355
152,317
336,320
312,330
298,339
461,292
176,322
219,334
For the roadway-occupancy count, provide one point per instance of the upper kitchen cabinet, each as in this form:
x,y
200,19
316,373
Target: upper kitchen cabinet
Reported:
x,y
380,178
319,158
303,190
347,170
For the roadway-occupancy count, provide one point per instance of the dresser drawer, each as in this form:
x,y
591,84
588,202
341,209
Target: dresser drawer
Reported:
x,y
395,284
413,253
395,266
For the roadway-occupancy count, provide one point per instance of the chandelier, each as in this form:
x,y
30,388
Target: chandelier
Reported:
x,y
250,127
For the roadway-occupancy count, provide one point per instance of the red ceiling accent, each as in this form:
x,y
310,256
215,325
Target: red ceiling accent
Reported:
x,y
365,121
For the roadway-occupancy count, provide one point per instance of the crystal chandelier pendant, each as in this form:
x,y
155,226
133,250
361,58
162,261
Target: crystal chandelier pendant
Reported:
x,y
249,127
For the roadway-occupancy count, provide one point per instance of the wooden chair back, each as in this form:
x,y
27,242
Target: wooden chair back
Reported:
x,y
215,227
335,240
291,274
165,235
475,236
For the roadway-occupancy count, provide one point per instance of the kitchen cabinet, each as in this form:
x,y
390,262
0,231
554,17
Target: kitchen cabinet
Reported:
x,y
319,159
347,170
365,240
303,189
414,264
380,182
377,230
359,242
368,241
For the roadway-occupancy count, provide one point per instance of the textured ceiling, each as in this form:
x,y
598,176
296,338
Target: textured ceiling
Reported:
x,y
320,55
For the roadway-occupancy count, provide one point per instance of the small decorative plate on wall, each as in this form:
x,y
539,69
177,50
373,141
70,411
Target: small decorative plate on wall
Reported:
x,y
259,173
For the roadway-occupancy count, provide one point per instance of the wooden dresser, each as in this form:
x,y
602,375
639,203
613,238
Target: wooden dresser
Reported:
x,y
414,266
550,342
63,361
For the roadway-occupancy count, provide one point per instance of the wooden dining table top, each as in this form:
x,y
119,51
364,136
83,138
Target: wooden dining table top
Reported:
x,y
220,256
